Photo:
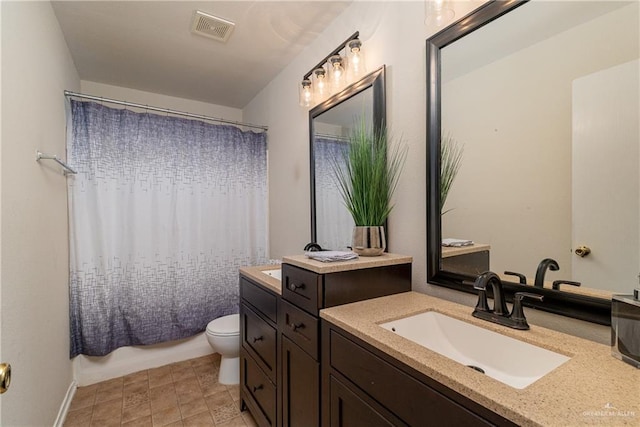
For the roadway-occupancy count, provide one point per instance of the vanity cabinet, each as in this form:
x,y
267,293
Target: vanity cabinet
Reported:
x,y
473,260
304,293
361,382
259,352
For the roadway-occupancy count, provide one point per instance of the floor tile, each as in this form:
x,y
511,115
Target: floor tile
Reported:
x,y
166,416
224,413
79,417
201,420
193,407
219,399
159,376
85,400
213,388
248,419
138,411
234,391
139,422
180,394
136,377
107,411
234,422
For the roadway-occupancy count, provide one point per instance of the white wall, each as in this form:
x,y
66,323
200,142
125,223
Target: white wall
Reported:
x,y
392,33
157,100
125,360
36,68
513,190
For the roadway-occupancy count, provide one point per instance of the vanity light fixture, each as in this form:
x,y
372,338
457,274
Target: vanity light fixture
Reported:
x,y
340,68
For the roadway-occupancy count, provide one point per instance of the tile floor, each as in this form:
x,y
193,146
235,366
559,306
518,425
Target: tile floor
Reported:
x,y
180,394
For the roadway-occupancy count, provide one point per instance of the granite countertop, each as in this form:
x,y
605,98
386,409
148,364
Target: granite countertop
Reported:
x,y
256,274
591,388
333,267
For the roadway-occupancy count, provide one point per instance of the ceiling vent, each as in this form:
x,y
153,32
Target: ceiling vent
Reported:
x,y
211,26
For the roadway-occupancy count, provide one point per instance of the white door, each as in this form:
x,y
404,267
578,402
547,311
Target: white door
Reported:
x,y
606,177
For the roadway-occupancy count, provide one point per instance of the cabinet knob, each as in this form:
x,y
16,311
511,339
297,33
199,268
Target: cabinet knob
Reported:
x,y
256,339
296,326
257,387
294,287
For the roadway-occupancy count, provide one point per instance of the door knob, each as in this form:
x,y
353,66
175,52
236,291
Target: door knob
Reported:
x,y
5,377
582,251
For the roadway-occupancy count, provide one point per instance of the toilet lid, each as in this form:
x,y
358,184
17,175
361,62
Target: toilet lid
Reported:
x,y
226,325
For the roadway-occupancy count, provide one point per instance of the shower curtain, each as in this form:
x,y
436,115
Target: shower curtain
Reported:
x,y
333,220
162,213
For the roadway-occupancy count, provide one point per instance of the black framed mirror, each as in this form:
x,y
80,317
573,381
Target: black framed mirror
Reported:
x,y
330,124
513,196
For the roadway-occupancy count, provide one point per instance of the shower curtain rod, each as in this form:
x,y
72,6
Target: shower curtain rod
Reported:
x,y
161,110
334,137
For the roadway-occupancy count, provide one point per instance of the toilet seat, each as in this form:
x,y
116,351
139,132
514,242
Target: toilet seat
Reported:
x,y
225,326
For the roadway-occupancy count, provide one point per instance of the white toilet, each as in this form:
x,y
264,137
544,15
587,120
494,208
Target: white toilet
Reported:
x,y
223,335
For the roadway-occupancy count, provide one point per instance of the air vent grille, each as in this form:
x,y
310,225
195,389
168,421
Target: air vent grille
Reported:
x,y
211,26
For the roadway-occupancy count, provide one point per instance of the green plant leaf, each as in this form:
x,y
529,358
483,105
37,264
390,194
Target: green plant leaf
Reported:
x,y
367,174
450,161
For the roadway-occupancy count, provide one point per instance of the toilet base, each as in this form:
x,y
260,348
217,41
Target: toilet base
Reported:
x,y
229,371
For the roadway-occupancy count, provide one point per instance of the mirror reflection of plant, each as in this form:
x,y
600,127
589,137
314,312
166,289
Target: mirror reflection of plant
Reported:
x,y
368,174
450,161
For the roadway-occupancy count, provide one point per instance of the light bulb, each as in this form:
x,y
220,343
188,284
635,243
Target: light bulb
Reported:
x,y
356,66
337,73
306,95
320,85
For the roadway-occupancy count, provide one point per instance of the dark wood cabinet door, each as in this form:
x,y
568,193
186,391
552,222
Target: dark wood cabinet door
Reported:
x,y
349,410
300,387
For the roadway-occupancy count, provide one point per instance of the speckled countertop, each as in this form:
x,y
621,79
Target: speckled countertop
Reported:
x,y
256,274
593,388
333,267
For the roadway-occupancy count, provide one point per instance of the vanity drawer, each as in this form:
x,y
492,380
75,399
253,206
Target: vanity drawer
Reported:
x,y
260,390
381,380
259,338
264,301
302,288
300,327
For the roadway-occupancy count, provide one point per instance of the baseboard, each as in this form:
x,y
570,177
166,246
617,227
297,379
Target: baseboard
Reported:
x,y
66,403
127,360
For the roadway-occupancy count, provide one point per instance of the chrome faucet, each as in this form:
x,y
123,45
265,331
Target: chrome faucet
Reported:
x,y
547,263
500,313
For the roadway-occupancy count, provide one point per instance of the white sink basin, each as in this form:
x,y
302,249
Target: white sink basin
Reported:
x,y
276,274
508,360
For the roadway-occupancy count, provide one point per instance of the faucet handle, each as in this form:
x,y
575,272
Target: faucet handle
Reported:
x,y
522,277
482,304
557,283
517,315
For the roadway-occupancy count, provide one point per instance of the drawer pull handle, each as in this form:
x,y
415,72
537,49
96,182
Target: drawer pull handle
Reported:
x,y
257,387
256,339
295,326
295,287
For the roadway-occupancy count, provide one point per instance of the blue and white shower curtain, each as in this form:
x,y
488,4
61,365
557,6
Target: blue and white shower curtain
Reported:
x,y
334,223
163,212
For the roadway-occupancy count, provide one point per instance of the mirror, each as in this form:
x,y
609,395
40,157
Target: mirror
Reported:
x,y
543,99
330,124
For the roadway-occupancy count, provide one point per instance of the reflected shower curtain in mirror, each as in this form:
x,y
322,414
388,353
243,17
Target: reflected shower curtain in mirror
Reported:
x,y
334,223
162,213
